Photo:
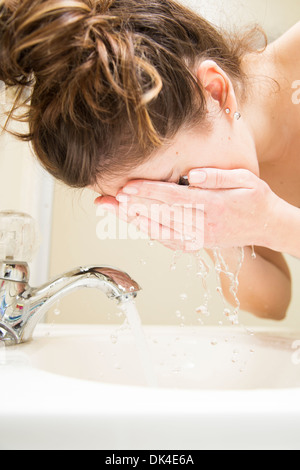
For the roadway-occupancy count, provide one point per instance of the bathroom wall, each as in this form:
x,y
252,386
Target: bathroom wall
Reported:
x,y
74,239
25,187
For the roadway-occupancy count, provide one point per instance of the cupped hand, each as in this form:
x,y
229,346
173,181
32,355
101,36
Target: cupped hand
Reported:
x,y
224,208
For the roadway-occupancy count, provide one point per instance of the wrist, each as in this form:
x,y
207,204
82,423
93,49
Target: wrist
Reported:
x,y
282,230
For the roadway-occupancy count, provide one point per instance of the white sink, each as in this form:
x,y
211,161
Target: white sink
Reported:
x,y
83,387
185,358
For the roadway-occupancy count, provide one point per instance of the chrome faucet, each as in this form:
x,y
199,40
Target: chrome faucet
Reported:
x,y
22,307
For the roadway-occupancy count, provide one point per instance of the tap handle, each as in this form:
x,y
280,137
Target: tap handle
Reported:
x,y
19,237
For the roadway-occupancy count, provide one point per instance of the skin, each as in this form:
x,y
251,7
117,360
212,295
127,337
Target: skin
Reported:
x,y
244,178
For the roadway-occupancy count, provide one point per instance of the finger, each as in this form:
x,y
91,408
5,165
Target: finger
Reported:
x,y
214,178
167,236
156,191
106,201
168,193
155,230
171,216
107,204
98,200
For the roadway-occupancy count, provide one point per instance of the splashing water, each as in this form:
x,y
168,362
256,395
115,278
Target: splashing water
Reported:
x,y
202,271
134,321
221,267
253,254
176,257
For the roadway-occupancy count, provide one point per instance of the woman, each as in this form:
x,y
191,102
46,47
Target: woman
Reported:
x,y
129,97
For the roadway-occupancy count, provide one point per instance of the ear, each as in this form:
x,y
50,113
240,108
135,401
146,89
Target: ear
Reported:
x,y
217,84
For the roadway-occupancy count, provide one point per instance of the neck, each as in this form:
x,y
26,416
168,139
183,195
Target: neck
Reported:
x,y
268,109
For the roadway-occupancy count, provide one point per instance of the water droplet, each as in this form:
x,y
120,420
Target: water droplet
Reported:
x,y
178,313
57,312
143,262
203,310
250,331
183,296
117,366
227,312
199,274
218,268
114,339
214,342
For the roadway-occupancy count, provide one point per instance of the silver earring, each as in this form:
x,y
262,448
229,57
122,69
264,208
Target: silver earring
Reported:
x,y
237,116
227,111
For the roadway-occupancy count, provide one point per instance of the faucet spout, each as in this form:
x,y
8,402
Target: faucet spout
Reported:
x,y
23,307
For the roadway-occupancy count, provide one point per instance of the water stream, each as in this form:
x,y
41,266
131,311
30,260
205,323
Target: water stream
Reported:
x,y
202,272
134,321
222,267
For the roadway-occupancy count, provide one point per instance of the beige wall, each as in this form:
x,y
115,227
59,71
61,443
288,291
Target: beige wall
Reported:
x,y
25,187
276,16
74,240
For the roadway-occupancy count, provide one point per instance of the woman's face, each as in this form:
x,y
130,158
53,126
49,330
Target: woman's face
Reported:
x,y
228,145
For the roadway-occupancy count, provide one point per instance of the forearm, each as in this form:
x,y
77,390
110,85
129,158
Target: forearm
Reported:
x,y
264,283
283,231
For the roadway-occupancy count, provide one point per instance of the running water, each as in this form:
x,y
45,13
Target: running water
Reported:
x,y
177,255
134,321
202,271
221,268
233,277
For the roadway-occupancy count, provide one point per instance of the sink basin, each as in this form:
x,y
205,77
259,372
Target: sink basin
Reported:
x,y
184,358
84,387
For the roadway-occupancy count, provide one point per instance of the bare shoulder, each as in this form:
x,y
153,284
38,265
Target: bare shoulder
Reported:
x,y
288,44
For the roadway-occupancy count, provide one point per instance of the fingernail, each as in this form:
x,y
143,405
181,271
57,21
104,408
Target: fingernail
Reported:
x,y
122,198
130,190
197,176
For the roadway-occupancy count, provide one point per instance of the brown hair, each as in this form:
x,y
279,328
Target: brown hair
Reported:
x,y
111,80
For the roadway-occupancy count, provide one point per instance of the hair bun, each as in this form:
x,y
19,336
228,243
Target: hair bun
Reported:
x,y
33,32
109,81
